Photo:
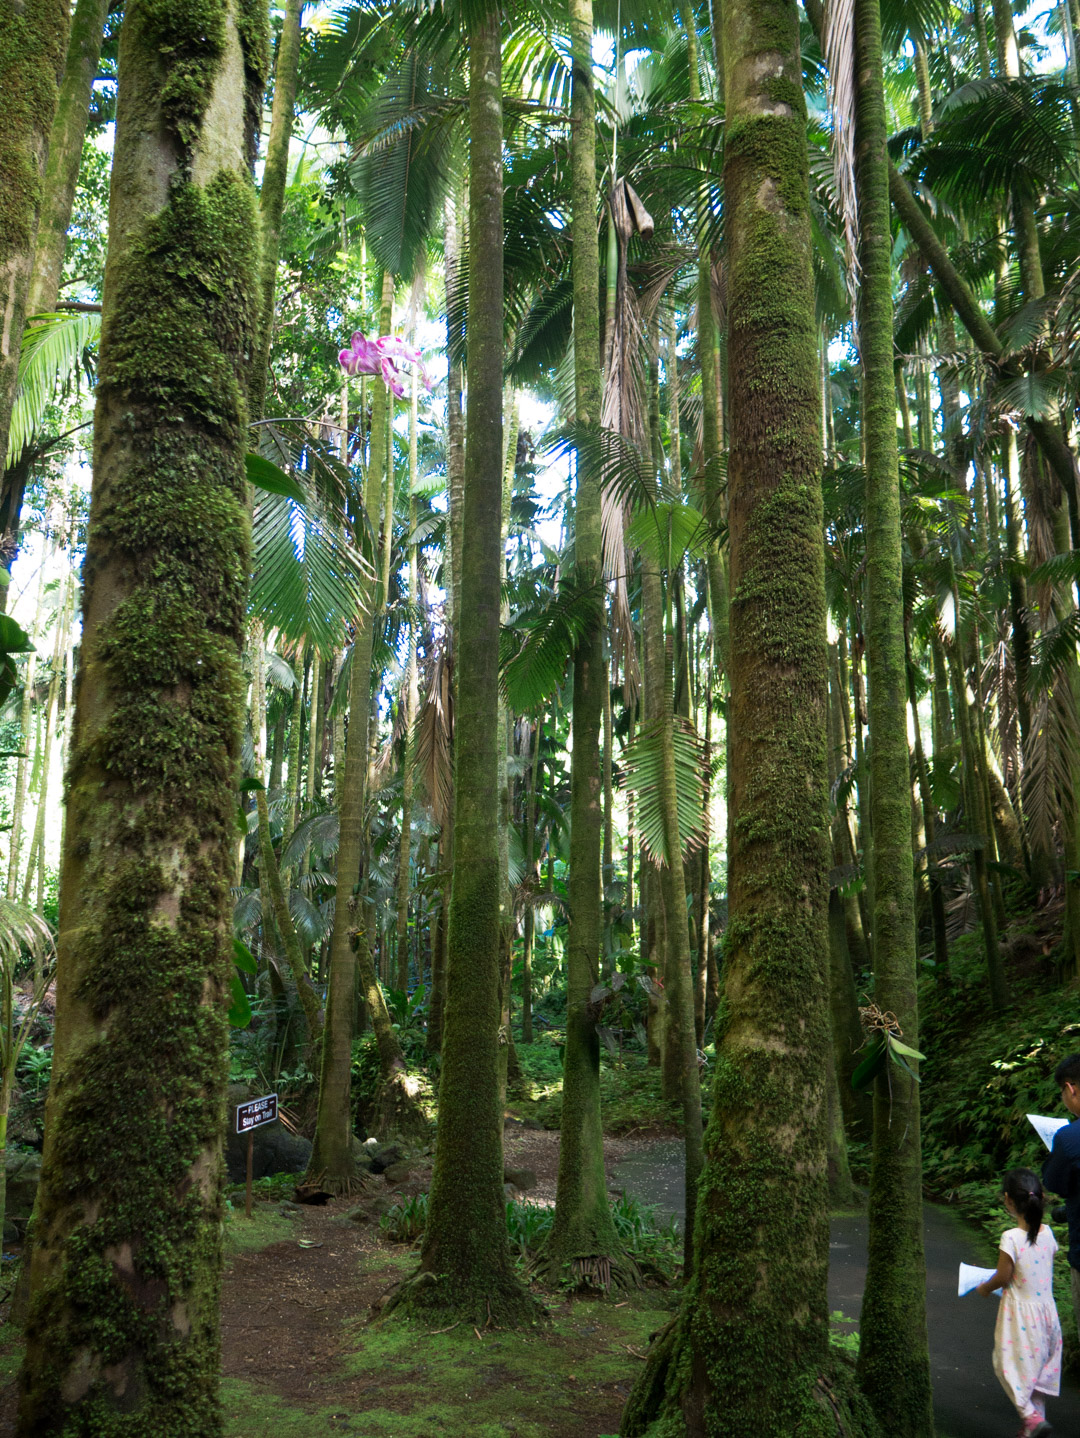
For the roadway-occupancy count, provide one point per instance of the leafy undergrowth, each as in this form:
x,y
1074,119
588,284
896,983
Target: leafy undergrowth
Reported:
x,y
984,1073
630,1096
655,1247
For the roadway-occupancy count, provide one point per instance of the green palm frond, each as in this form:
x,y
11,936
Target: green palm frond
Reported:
x,y
539,645
405,163
307,579
53,348
318,832
664,534
642,775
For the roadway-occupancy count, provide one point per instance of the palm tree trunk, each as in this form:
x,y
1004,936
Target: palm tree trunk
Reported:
x,y
272,195
37,844
529,938
31,64
23,770
145,944
465,1265
331,1167
583,1232
894,1363
269,871
65,152
412,703
770,1106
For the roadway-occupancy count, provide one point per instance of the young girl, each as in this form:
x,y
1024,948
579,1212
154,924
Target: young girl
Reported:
x,y
1027,1339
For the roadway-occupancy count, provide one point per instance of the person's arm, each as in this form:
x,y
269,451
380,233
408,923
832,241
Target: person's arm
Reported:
x,y
1002,1275
1058,1168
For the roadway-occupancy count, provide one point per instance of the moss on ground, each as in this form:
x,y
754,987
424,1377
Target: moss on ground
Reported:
x,y
402,1380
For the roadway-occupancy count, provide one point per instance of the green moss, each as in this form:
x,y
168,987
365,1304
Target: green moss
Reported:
x,y
123,1329
33,40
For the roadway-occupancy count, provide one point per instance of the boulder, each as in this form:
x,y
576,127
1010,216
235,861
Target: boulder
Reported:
x,y
520,1178
22,1170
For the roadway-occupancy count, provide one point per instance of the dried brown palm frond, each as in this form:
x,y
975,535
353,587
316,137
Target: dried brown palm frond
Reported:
x,y
839,46
1042,498
998,684
1049,758
435,737
623,410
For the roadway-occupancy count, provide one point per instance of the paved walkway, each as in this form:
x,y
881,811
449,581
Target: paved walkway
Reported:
x,y
968,1400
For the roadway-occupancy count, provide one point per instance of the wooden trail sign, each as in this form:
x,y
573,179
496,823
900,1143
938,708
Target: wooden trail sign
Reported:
x,y
249,1117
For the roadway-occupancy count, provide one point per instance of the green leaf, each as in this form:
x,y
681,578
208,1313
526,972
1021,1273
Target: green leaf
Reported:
x,y
251,785
894,1043
903,1063
239,1009
244,958
13,638
874,1062
664,533
53,347
266,475
642,768
306,580
539,646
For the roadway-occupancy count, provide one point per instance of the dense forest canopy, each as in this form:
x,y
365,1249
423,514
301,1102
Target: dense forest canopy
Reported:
x,y
538,541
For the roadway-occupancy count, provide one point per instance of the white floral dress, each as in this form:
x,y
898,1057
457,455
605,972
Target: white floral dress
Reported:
x,y
1027,1339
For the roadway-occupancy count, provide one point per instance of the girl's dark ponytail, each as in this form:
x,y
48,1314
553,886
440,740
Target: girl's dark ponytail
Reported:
x,y
1026,1192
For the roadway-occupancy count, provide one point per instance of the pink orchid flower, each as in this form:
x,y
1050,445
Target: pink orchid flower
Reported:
x,y
377,357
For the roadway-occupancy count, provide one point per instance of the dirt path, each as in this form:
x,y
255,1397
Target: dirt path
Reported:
x,y
968,1400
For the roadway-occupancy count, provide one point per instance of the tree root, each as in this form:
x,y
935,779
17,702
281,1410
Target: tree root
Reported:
x,y
433,1298
587,1273
322,1187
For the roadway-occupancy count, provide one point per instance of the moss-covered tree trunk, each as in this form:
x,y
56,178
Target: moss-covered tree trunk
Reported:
x,y
465,1264
894,1363
331,1167
272,194
122,1335
33,46
583,1233
751,1341
65,151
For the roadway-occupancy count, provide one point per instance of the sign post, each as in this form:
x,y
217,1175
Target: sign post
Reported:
x,y
249,1117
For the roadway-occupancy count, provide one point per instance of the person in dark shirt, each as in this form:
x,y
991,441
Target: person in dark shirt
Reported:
x,y
1061,1171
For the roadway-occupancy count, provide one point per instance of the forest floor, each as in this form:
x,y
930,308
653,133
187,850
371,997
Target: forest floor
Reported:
x,y
303,1353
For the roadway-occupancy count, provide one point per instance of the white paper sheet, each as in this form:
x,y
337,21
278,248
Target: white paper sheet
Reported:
x,y
971,1277
1046,1127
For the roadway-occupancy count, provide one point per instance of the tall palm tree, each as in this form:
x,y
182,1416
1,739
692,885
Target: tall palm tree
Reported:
x,y
769,1113
897,1377
465,1262
123,1321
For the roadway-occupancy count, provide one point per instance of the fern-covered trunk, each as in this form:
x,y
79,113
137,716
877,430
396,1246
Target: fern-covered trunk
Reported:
x,y
33,46
122,1333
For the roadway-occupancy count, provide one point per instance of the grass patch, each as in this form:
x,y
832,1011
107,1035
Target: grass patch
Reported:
x,y
266,1225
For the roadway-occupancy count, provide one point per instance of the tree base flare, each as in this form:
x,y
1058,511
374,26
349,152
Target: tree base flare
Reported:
x,y
667,1402
440,1299
587,1273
